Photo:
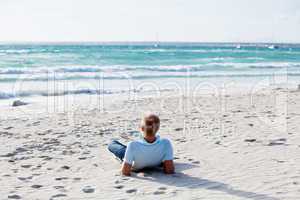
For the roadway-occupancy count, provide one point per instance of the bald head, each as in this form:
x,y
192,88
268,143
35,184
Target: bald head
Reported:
x,y
150,124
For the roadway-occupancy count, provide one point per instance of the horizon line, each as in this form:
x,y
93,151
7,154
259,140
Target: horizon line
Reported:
x,y
142,42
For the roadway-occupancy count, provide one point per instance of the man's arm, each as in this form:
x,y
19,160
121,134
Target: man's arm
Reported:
x,y
168,163
169,167
126,169
128,159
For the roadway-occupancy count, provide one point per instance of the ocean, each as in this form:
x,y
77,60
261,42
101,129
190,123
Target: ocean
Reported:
x,y
29,70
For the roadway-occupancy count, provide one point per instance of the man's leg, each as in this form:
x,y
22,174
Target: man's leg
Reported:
x,y
117,149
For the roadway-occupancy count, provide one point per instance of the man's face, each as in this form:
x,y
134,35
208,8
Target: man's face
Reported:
x,y
151,125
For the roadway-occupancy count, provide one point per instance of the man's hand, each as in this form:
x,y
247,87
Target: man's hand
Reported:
x,y
169,167
126,169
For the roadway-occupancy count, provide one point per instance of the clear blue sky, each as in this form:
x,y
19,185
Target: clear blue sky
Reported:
x,y
144,20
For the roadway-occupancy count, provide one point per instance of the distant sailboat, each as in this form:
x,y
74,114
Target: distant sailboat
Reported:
x,y
156,45
238,46
273,47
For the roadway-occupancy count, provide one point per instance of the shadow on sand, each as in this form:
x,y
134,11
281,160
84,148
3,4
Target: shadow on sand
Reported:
x,y
179,179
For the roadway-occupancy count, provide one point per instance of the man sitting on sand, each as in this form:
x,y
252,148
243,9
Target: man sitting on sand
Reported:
x,y
151,151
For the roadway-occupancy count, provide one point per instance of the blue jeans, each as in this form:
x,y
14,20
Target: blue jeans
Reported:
x,y
117,149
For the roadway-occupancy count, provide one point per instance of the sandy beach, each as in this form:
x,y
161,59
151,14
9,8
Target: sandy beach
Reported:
x,y
237,146
210,89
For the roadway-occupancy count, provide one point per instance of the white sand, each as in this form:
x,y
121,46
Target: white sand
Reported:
x,y
225,148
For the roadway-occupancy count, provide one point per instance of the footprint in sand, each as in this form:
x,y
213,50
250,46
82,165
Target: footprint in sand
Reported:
x,y
15,196
162,188
61,178
65,167
88,189
131,191
57,196
119,186
178,129
8,128
276,142
36,186
36,123
26,166
159,192
251,124
58,187
250,140
25,178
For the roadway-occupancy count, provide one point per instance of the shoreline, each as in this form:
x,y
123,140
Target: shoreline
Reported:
x,y
101,87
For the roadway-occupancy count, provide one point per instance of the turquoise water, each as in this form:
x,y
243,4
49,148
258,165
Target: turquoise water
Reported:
x,y
40,63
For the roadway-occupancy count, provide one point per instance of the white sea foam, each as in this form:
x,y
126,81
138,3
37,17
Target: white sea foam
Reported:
x,y
161,68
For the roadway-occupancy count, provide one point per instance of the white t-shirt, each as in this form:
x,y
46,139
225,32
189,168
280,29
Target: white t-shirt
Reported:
x,y
141,154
